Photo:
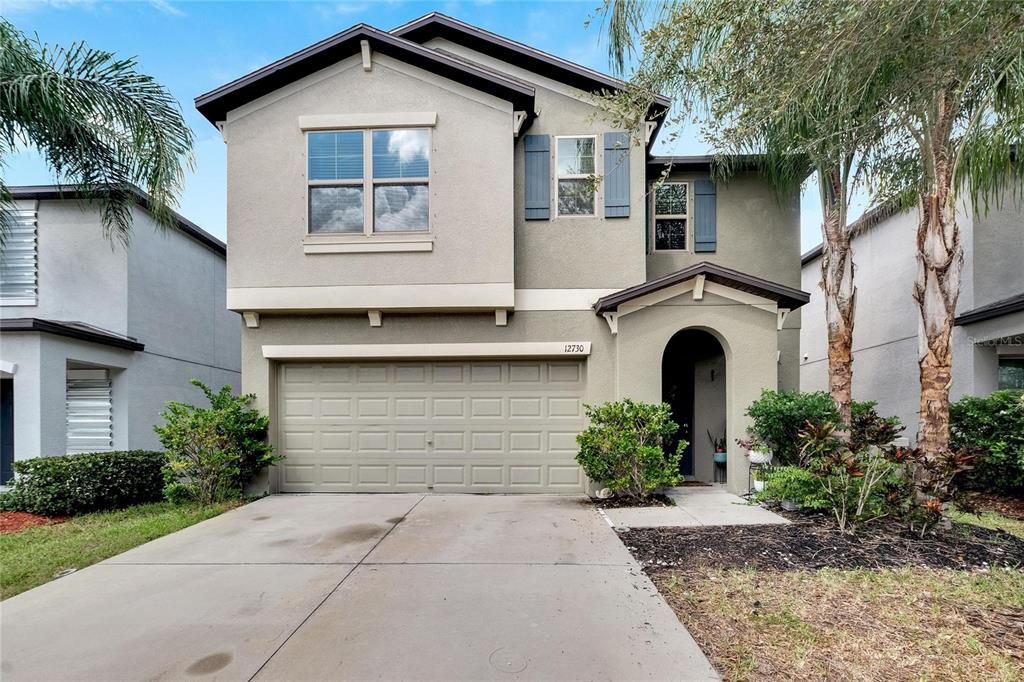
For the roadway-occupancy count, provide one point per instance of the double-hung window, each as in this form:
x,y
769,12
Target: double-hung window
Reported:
x,y
369,181
574,159
671,216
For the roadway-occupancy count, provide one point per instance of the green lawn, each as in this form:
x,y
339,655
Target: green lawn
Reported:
x,y
990,519
36,555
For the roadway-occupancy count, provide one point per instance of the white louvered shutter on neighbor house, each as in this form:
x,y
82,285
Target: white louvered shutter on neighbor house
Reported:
x,y
19,261
89,420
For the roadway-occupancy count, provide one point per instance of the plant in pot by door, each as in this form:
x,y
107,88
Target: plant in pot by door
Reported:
x,y
719,445
758,452
758,476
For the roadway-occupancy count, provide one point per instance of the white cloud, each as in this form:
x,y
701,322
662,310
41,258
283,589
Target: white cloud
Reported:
x,y
167,8
409,144
398,207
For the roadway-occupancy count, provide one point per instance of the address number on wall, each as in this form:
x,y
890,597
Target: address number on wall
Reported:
x,y
575,348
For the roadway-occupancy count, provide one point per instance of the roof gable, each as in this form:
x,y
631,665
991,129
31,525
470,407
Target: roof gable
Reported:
x,y
215,105
786,297
437,25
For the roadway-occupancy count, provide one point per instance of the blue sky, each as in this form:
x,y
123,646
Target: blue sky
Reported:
x,y
193,47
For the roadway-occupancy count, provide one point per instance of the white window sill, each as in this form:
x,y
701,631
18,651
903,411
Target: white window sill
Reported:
x,y
358,243
17,302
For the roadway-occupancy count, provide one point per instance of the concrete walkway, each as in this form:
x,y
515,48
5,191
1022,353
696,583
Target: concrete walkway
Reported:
x,y
357,587
695,506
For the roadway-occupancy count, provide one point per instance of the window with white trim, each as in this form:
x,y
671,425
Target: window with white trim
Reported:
x,y
671,216
369,181
575,164
19,260
90,426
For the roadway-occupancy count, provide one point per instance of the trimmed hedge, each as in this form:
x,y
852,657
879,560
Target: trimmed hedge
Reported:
x,y
76,484
994,426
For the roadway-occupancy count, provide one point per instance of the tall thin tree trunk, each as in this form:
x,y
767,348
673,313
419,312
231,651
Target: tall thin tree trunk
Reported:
x,y
840,296
940,261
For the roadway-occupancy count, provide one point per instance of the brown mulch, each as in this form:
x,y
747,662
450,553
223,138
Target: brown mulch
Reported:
x,y
1012,507
620,502
812,542
12,522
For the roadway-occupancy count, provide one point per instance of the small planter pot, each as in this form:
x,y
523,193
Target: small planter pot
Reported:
x,y
720,457
759,456
789,505
758,486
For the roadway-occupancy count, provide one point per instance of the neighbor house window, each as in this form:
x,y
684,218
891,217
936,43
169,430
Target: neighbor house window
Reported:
x,y
369,181
671,216
574,159
19,260
1011,372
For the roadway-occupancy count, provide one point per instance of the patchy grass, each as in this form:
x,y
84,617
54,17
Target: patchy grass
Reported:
x,y
909,624
37,555
991,519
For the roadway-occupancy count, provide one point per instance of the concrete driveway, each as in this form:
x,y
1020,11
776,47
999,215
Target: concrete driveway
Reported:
x,y
323,587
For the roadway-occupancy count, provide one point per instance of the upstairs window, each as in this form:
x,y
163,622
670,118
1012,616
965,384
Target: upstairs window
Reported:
x,y
369,181
574,160
671,216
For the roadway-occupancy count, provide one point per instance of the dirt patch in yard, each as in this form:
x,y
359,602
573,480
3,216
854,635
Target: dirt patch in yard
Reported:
x,y
12,522
1012,507
810,543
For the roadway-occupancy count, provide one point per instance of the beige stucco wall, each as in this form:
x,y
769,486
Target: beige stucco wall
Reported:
x,y
748,336
470,181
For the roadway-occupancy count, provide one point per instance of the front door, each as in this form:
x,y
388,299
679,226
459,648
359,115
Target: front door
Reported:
x,y
6,430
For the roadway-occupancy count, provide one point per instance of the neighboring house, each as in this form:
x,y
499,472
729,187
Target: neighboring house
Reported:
x,y
432,291
988,339
95,338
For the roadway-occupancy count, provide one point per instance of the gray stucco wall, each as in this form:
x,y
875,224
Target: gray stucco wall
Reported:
x,y
885,341
166,290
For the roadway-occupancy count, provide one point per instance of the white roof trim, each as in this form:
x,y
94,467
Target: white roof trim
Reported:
x,y
392,351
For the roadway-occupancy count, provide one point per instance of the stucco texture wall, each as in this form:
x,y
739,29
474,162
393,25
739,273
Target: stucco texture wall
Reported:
x,y
748,336
471,173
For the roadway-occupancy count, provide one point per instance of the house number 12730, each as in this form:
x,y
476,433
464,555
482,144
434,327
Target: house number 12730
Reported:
x,y
574,348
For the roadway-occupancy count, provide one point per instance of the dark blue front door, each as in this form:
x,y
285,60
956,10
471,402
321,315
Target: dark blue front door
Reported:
x,y
6,430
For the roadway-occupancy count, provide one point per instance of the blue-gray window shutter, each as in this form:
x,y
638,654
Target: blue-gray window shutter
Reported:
x,y
538,177
616,175
705,225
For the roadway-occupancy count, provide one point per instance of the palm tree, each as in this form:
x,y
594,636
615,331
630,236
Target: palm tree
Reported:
x,y
739,65
98,123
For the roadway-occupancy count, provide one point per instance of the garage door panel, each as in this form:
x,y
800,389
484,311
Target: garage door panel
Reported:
x,y
478,426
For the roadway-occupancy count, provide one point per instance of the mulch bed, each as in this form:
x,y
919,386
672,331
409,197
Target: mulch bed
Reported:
x,y
1012,507
620,502
12,522
811,542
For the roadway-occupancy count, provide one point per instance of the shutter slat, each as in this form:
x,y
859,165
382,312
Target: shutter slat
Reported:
x,y
616,175
705,216
19,263
89,411
537,185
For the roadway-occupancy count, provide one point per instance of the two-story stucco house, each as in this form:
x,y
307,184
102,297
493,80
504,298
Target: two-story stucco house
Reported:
x,y
988,336
433,286
95,338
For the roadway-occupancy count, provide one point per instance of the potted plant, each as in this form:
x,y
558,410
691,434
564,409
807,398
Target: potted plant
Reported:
x,y
758,452
719,445
758,477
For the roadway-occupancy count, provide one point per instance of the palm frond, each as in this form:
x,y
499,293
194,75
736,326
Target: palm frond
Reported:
x,y
99,124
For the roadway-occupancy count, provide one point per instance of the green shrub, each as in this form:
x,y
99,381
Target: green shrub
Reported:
x,y
779,417
994,427
75,484
623,447
793,483
213,452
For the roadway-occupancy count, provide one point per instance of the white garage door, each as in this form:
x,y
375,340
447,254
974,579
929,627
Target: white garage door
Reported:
x,y
485,426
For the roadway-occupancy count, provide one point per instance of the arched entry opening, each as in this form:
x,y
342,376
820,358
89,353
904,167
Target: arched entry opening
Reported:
x,y
693,383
